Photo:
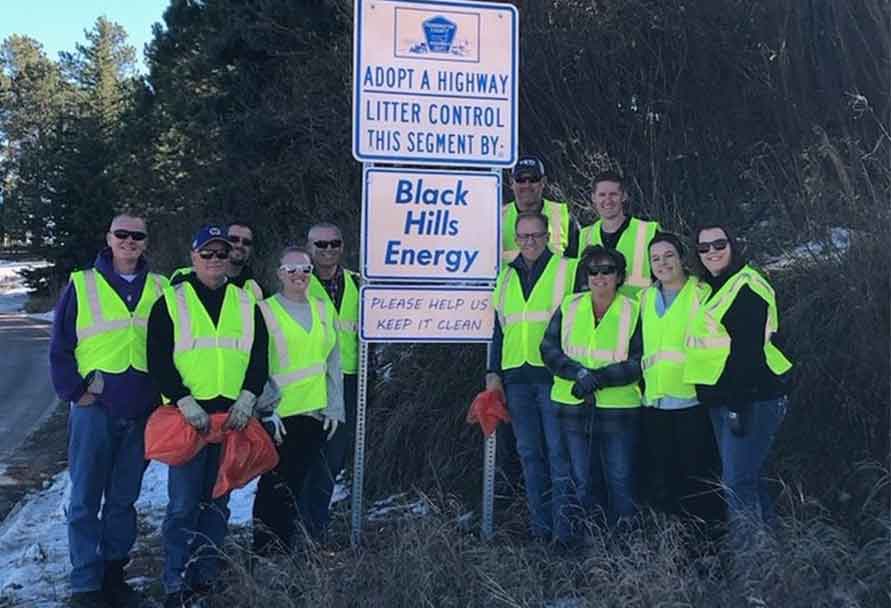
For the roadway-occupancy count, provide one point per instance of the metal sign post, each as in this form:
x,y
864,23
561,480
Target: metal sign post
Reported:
x,y
356,496
489,449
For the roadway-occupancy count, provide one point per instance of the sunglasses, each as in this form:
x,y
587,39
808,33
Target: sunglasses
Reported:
x,y
292,268
333,244
133,234
717,244
206,254
531,236
240,239
526,180
604,269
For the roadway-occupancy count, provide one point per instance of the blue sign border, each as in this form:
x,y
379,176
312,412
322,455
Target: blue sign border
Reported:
x,y
416,339
367,171
439,160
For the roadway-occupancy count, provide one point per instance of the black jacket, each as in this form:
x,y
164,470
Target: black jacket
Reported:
x,y
161,342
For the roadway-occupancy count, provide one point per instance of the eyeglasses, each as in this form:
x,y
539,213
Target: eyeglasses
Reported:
x,y
526,180
531,236
240,239
604,269
717,244
207,254
333,244
292,268
133,234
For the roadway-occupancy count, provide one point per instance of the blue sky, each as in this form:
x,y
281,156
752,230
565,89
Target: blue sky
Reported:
x,y
60,24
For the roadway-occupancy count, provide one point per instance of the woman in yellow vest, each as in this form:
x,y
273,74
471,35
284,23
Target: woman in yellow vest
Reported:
x,y
737,370
592,346
680,460
305,375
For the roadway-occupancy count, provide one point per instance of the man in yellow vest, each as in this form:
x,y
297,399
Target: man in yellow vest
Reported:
x,y
331,282
528,181
98,365
526,293
240,273
207,351
615,229
304,366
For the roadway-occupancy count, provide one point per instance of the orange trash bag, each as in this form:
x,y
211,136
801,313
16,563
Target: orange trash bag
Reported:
x,y
246,454
487,409
169,438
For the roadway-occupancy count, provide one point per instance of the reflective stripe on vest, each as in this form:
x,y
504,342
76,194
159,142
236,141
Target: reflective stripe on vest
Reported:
x,y
523,322
558,226
298,358
110,338
211,358
664,338
708,345
633,245
611,339
347,320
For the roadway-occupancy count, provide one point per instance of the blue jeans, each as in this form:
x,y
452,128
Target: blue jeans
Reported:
x,y
572,480
535,426
105,460
743,458
195,524
315,500
616,445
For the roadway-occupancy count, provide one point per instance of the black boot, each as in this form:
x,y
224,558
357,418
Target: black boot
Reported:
x,y
117,592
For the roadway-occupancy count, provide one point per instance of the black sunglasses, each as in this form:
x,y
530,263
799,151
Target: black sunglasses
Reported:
x,y
718,244
526,180
206,254
133,234
604,269
333,244
240,239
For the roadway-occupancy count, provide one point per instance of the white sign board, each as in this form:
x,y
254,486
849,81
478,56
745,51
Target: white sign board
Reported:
x,y
426,314
427,225
435,82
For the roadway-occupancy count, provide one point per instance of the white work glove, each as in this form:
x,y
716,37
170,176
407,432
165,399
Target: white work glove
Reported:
x,y
273,423
194,413
241,411
97,384
330,425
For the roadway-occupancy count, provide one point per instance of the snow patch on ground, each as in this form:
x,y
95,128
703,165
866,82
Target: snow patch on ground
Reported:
x,y
839,242
13,292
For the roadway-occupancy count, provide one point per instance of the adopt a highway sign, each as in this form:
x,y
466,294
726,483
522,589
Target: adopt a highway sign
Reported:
x,y
435,82
428,225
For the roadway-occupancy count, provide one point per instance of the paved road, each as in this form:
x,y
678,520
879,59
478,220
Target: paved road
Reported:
x,y
26,395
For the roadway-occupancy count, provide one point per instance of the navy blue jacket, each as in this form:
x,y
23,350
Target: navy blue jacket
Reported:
x,y
130,394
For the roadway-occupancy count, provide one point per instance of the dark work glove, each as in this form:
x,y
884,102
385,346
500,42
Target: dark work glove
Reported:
x,y
739,425
584,386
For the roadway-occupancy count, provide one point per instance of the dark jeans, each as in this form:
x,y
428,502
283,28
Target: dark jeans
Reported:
x,y
533,419
743,458
680,463
195,524
617,435
574,480
106,462
315,499
279,490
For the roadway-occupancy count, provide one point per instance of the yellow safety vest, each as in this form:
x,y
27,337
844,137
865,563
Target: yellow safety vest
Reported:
x,y
708,343
633,244
212,359
250,286
558,226
109,337
297,358
596,346
664,338
347,319
523,322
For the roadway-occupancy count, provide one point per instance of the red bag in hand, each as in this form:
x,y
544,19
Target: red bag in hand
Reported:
x,y
246,454
487,409
169,438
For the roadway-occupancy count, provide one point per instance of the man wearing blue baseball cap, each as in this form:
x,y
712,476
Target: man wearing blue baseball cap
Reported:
x,y
528,181
207,351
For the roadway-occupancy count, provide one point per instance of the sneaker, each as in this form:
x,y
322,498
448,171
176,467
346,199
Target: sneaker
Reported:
x,y
89,599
